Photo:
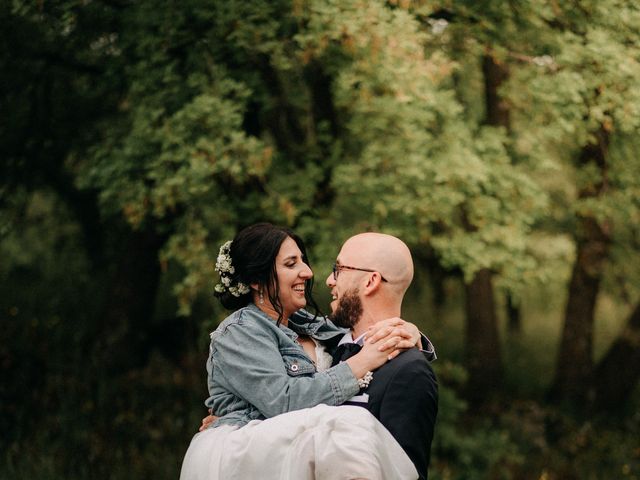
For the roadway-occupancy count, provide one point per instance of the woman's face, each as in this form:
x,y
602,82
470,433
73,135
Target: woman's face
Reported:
x,y
292,274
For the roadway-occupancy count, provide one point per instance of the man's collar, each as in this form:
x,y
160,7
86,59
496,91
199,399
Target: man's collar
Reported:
x,y
348,338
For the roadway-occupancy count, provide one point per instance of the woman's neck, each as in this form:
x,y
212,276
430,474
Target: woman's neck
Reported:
x,y
268,309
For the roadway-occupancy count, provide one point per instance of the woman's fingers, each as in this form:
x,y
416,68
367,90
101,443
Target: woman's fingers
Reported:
x,y
388,321
390,343
405,344
402,346
384,324
394,354
388,332
378,334
206,421
393,334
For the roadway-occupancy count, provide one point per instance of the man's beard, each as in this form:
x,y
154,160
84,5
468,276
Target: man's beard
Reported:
x,y
349,309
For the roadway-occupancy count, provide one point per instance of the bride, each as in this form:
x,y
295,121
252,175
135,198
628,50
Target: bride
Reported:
x,y
270,378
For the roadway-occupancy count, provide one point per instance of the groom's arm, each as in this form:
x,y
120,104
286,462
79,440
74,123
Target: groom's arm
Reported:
x,y
409,408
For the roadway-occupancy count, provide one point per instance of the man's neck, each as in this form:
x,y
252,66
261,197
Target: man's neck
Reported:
x,y
370,316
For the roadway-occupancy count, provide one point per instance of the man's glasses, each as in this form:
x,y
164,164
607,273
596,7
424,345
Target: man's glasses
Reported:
x,y
337,268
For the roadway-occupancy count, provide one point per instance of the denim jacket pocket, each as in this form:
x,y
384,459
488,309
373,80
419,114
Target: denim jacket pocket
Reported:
x,y
296,363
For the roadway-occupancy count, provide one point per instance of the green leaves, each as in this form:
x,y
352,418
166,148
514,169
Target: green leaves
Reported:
x,y
356,115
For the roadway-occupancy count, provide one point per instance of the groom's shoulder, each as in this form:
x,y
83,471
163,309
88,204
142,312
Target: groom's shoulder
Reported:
x,y
412,356
410,372
411,362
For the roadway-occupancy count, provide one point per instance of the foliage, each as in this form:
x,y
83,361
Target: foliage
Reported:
x,y
583,86
481,449
425,173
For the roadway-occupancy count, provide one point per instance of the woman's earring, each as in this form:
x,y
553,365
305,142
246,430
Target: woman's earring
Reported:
x,y
261,298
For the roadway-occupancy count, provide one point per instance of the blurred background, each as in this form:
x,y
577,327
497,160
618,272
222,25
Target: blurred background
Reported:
x,y
499,139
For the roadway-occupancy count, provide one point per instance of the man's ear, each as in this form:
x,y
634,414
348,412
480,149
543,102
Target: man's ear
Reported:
x,y
373,283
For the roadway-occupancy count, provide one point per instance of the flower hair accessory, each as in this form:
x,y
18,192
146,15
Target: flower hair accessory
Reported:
x,y
225,268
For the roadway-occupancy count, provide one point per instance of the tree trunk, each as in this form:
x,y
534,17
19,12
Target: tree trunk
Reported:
x,y
575,363
575,358
617,374
482,340
437,277
129,304
323,116
514,317
497,110
481,337
426,260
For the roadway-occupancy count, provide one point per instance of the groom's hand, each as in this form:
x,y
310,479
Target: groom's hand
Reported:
x,y
208,420
394,333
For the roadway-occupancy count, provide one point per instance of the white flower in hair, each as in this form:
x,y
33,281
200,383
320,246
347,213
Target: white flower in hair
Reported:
x,y
223,262
224,267
241,289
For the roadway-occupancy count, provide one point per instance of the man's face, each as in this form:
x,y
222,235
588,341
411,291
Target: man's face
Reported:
x,y
346,305
348,310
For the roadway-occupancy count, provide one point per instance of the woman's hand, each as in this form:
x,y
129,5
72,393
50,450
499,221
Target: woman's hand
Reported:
x,y
208,420
394,333
368,358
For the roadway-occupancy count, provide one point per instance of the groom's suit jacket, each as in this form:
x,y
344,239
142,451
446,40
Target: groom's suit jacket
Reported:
x,y
403,395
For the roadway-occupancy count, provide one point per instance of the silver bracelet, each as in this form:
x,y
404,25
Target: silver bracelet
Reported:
x,y
366,380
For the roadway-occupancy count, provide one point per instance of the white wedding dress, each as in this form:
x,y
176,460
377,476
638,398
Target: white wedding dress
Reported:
x,y
319,443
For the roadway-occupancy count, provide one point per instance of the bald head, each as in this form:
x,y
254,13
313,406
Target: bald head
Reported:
x,y
384,253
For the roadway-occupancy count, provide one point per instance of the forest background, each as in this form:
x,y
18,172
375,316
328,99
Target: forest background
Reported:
x,y
499,139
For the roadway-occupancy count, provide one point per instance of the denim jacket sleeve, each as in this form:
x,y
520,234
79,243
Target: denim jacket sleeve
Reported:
x,y
250,364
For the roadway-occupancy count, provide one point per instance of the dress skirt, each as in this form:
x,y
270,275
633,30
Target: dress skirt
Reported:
x,y
321,443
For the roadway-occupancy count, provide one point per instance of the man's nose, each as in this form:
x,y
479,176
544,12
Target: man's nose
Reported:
x,y
330,281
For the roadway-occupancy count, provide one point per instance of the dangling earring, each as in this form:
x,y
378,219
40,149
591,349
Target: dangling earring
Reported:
x,y
261,298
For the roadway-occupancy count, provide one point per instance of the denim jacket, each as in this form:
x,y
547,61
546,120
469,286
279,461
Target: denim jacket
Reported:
x,y
256,369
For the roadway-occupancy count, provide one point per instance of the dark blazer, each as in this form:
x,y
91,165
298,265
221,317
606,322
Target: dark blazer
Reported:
x,y
403,395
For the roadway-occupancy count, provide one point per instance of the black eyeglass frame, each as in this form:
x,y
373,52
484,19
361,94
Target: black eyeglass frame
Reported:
x,y
336,271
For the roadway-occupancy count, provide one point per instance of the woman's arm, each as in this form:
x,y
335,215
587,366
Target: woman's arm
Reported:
x,y
249,363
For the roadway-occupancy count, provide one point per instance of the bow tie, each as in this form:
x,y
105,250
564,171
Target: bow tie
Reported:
x,y
345,351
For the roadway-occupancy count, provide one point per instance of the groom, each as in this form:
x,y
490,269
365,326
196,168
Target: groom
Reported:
x,y
368,282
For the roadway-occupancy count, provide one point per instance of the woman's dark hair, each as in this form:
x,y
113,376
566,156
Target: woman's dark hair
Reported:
x,y
253,255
